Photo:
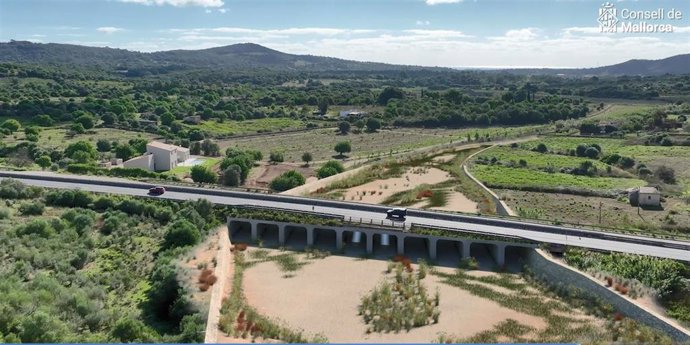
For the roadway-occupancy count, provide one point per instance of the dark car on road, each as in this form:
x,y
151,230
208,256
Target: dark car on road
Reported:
x,y
397,213
158,190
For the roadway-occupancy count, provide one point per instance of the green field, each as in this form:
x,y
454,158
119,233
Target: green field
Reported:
x,y
536,160
620,111
504,177
229,128
59,138
182,171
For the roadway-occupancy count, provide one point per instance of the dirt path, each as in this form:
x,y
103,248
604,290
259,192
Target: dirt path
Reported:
x,y
223,271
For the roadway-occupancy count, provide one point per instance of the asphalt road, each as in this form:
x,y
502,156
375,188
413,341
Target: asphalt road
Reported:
x,y
678,250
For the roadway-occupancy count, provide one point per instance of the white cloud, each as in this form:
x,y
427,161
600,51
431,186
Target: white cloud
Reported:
x,y
423,23
581,30
681,29
440,2
179,3
222,10
109,29
515,35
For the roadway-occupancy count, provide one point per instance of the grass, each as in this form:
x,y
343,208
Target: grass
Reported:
x,y
57,137
230,128
517,178
536,160
181,171
620,111
400,304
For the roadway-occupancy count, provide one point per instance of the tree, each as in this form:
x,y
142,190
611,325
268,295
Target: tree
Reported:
x,y
167,118
276,157
44,161
124,151
12,125
343,147
592,152
373,124
44,120
307,157
202,174
103,145
666,174
86,120
77,128
323,106
541,148
287,180
195,148
580,150
81,146
232,175
389,93
330,168
360,124
210,148
128,330
182,233
344,127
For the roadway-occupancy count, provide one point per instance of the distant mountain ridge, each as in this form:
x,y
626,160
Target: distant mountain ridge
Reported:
x,y
246,56
236,57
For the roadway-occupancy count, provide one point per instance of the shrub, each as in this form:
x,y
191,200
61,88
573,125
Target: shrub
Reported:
x,y
330,168
37,226
666,174
541,147
78,168
69,198
35,208
468,264
5,213
276,157
201,174
182,233
287,180
232,176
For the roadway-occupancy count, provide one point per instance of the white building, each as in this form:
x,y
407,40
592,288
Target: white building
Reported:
x,y
159,157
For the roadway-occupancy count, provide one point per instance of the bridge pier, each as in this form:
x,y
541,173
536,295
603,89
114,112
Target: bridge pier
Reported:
x,y
281,234
255,231
432,242
369,238
310,236
401,244
338,239
498,251
465,252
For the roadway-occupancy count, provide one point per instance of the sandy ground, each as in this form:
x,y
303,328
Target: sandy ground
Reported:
x,y
444,158
323,297
375,192
189,272
313,185
457,202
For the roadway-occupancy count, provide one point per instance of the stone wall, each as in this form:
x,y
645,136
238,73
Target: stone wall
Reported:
x,y
551,271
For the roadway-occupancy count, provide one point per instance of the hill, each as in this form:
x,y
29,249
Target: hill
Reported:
x,y
234,57
679,64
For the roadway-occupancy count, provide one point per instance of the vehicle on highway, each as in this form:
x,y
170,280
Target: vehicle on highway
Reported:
x,y
397,213
158,190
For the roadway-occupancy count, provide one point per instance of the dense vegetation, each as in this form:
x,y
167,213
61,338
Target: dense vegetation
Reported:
x,y
88,268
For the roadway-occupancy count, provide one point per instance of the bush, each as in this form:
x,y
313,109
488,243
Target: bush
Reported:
x,y
373,124
276,157
12,125
232,176
69,198
82,169
287,180
201,174
666,174
182,233
330,168
344,127
541,148
14,189
343,147
34,208
5,213
38,226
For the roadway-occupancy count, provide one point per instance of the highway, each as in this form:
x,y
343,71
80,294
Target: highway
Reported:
x,y
679,250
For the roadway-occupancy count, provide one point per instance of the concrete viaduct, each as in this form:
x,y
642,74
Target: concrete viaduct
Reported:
x,y
373,240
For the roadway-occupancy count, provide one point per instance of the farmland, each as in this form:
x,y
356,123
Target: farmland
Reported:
x,y
59,138
320,142
504,177
230,128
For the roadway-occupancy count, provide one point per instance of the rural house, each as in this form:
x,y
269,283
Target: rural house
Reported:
x,y
645,197
159,157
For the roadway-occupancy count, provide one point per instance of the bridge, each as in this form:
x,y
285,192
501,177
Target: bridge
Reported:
x,y
375,214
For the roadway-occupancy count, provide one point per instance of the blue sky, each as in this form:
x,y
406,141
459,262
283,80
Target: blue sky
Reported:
x,y
455,33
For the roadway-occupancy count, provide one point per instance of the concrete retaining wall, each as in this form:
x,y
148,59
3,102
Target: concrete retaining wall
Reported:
x,y
552,271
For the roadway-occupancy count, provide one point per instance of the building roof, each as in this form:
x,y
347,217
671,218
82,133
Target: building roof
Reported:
x,y
648,190
182,149
160,145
